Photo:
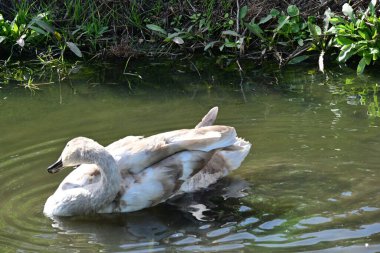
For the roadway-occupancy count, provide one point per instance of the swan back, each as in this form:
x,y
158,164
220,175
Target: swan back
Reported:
x,y
143,152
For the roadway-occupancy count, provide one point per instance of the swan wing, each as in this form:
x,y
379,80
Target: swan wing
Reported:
x,y
136,156
220,165
122,143
83,175
160,181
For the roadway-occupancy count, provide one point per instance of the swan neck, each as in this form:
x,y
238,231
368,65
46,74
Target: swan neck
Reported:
x,y
109,185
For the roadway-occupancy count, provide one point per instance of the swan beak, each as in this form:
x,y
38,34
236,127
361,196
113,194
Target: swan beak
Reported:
x,y
57,166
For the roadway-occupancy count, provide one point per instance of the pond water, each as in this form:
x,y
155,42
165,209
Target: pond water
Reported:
x,y
309,184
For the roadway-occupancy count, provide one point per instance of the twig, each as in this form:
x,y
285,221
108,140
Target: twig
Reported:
x,y
241,81
192,7
199,74
295,53
237,16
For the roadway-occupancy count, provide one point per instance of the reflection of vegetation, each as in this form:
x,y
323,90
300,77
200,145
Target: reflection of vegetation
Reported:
x,y
367,95
358,91
35,73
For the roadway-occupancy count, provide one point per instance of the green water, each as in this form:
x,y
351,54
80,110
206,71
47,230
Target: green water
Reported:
x,y
311,181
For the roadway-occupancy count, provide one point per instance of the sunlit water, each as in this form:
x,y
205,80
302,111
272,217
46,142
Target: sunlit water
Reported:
x,y
310,183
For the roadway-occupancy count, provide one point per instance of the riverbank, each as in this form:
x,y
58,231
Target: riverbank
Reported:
x,y
93,29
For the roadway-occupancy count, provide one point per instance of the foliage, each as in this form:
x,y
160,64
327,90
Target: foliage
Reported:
x,y
23,31
225,27
357,35
30,33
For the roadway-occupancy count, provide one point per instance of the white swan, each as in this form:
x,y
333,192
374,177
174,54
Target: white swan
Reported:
x,y
135,172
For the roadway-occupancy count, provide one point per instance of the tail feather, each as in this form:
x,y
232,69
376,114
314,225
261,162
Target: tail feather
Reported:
x,y
209,118
204,138
221,163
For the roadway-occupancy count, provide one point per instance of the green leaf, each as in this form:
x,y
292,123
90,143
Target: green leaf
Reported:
x,y
43,25
2,38
38,30
210,45
361,66
345,29
243,12
293,10
274,13
371,7
349,81
256,30
14,28
374,35
314,30
298,59
228,43
346,52
374,51
368,58
342,40
156,28
364,33
74,48
282,23
173,35
294,27
336,20
265,19
312,47
232,33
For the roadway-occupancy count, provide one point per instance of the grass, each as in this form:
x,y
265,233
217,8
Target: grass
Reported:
x,y
98,28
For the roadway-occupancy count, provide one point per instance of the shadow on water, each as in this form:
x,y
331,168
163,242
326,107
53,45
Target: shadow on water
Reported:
x,y
180,222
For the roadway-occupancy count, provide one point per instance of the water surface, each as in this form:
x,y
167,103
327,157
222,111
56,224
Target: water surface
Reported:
x,y
310,183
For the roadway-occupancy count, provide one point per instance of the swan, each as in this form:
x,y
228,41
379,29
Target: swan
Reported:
x,y
136,172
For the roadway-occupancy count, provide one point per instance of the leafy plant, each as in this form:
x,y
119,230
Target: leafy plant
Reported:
x,y
32,32
288,31
291,29
23,32
357,35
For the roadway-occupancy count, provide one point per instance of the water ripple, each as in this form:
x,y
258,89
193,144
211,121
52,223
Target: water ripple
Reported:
x,y
23,195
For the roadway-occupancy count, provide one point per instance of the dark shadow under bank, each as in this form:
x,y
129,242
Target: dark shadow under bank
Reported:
x,y
191,75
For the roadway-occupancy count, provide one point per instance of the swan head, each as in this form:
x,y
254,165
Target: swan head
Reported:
x,y
77,151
